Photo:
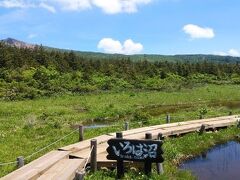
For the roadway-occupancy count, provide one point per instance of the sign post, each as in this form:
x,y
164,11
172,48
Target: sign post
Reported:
x,y
120,166
147,151
148,164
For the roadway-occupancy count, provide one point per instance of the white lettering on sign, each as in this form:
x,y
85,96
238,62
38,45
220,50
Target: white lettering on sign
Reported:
x,y
136,151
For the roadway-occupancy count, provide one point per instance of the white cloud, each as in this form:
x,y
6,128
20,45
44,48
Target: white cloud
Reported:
x,y
107,6
220,53
231,52
31,36
119,6
27,4
47,7
72,5
130,47
15,4
234,52
197,32
112,46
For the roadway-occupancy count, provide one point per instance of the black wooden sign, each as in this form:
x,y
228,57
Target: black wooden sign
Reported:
x,y
135,150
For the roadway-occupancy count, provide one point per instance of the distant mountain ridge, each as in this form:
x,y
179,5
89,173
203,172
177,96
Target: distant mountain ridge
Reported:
x,y
138,57
17,43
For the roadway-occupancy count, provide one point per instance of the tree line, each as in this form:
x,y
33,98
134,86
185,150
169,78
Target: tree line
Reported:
x,y
29,73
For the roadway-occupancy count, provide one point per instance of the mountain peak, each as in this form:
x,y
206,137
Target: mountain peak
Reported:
x,y
17,43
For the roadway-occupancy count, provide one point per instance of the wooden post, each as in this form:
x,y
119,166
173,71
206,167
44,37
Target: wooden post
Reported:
x,y
119,135
147,164
126,126
204,155
79,175
168,119
214,129
202,129
160,168
81,131
160,165
94,155
160,136
20,161
238,124
120,165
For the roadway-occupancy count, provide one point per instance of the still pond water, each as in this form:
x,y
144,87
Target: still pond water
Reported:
x,y
220,163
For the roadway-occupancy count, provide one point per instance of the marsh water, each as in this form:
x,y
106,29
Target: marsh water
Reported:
x,y
94,126
221,163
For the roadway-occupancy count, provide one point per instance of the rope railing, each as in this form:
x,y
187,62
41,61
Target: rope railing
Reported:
x,y
113,125
92,157
8,163
85,165
40,150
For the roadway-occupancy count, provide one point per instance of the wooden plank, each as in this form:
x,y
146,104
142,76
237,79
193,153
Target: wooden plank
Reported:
x,y
142,135
134,131
104,162
175,130
103,138
194,127
56,161
85,152
38,166
181,129
163,126
167,131
220,123
85,144
63,170
203,121
103,157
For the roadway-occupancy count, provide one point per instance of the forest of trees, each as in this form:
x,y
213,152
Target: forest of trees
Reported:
x,y
31,73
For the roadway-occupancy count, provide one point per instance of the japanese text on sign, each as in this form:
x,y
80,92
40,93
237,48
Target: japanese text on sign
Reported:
x,y
138,150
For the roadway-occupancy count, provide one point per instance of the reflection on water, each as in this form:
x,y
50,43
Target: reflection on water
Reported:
x,y
220,163
93,126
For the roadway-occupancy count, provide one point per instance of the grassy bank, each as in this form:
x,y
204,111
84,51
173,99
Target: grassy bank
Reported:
x,y
27,126
177,150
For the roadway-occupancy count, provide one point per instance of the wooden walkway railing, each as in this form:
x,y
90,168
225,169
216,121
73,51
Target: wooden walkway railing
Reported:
x,y
66,161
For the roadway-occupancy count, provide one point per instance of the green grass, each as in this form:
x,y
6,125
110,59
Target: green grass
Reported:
x,y
176,150
27,126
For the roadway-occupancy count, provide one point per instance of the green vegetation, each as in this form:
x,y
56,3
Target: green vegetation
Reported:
x,y
176,150
33,73
28,125
45,93
152,57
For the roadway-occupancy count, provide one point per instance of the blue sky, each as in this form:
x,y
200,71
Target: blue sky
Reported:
x,y
126,26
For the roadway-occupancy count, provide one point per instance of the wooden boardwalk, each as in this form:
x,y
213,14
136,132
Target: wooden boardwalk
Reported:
x,y
63,163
